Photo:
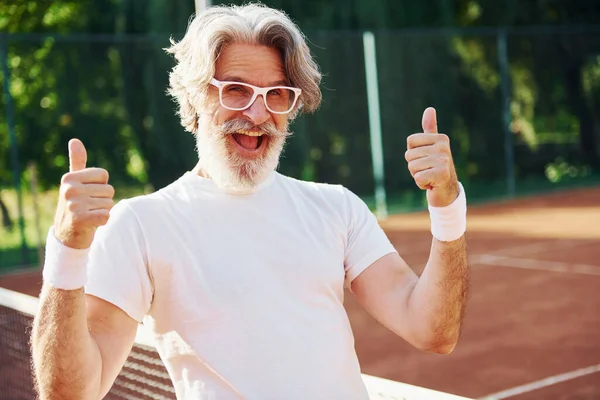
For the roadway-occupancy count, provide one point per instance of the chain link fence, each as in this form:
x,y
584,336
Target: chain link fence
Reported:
x,y
519,105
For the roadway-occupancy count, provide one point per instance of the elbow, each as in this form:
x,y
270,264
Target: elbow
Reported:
x,y
62,388
444,348
441,344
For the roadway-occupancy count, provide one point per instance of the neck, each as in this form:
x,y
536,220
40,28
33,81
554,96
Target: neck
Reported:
x,y
200,171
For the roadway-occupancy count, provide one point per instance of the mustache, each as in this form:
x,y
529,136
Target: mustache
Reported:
x,y
268,128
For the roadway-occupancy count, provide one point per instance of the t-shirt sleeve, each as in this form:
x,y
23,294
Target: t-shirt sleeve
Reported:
x,y
366,240
118,266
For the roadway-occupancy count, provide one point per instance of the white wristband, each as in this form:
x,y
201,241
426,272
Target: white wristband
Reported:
x,y
64,267
450,223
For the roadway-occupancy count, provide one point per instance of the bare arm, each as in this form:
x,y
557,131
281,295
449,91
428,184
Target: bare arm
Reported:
x,y
79,343
67,361
441,293
426,311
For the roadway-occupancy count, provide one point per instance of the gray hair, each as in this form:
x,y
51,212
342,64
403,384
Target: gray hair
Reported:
x,y
218,26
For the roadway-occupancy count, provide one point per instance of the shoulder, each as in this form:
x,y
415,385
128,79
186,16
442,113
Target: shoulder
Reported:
x,y
150,203
336,197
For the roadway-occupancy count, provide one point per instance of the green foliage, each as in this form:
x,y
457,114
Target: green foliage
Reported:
x,y
109,93
560,169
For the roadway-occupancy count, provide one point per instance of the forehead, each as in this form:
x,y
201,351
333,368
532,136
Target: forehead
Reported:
x,y
250,63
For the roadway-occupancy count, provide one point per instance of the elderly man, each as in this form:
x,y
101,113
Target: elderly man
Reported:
x,y
238,271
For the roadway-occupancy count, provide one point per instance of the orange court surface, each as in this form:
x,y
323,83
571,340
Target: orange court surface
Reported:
x,y
532,324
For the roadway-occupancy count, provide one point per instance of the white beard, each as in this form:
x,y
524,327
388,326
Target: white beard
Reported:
x,y
227,168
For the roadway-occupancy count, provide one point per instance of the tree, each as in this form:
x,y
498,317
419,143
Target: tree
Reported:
x,y
104,79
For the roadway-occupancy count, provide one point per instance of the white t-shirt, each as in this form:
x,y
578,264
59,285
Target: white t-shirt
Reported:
x,y
242,291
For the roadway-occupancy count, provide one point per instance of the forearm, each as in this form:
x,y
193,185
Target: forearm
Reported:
x,y
437,302
66,358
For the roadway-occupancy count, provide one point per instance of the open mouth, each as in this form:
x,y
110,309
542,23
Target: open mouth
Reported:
x,y
248,140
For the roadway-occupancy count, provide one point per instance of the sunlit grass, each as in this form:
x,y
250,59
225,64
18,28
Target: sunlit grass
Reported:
x,y
46,204
37,219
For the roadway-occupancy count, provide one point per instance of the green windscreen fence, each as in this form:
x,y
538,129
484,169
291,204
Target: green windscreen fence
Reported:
x,y
519,105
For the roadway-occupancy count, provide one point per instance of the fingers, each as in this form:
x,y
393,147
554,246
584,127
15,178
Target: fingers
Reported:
x,y
84,202
428,170
93,175
98,190
428,153
429,121
430,161
100,203
83,213
425,179
416,153
83,192
81,205
88,175
427,139
77,155
72,190
421,164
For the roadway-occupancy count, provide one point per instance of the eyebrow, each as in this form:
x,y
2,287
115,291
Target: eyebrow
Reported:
x,y
281,82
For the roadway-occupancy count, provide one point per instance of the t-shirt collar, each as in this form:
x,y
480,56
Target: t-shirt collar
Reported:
x,y
209,184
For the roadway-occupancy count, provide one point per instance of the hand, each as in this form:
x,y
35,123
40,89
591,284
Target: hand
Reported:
x,y
430,162
84,201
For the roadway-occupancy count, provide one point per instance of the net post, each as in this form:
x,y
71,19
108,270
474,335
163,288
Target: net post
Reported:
x,y
201,5
375,123
509,151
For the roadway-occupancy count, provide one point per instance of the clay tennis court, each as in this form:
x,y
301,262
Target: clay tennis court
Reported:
x,y
532,327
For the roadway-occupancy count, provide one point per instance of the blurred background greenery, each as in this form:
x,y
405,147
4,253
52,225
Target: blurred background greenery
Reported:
x,y
516,85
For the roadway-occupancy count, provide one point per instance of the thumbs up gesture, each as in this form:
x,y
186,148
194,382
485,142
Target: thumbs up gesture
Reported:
x,y
430,162
84,201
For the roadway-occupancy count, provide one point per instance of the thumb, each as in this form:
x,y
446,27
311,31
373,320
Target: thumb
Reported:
x,y
429,121
77,155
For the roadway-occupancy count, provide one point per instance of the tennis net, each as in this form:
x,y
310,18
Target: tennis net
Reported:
x,y
143,376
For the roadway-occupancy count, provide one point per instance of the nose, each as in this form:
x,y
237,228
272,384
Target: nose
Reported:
x,y
257,112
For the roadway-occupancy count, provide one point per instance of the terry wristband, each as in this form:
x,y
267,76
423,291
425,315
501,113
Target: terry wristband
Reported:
x,y
64,267
450,222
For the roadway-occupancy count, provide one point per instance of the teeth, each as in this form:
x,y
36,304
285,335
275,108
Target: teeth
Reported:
x,y
250,133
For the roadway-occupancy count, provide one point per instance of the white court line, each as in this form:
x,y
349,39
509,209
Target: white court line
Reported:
x,y
542,383
537,247
543,265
